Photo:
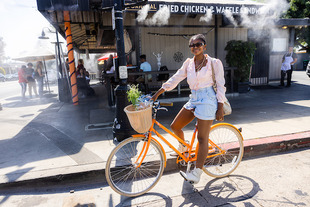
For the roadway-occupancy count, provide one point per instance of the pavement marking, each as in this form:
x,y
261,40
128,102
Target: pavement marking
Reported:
x,y
99,126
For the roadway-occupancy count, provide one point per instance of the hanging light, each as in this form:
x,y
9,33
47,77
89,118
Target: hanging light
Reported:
x,y
43,35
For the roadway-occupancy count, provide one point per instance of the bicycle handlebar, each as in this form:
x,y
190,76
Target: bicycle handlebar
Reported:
x,y
167,104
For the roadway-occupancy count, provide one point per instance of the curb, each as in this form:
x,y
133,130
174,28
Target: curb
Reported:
x,y
252,148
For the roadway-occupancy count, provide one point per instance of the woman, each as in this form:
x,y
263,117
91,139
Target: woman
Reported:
x,y
204,103
39,77
80,67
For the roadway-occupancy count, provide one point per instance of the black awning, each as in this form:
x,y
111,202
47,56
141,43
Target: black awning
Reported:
x,y
63,5
294,22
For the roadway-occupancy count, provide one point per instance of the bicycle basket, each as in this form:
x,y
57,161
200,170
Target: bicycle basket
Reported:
x,y
140,121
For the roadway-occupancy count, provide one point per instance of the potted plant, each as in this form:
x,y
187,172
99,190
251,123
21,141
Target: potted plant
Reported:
x,y
240,54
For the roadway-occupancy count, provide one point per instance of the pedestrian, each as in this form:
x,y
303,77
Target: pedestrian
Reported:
x,y
288,61
31,81
204,103
22,80
39,77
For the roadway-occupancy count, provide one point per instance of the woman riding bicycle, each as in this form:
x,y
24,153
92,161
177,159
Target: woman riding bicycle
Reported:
x,y
204,103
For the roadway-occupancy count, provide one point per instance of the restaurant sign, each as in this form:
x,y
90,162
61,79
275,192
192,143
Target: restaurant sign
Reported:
x,y
199,8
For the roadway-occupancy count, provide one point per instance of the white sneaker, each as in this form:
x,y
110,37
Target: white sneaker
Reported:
x,y
193,176
181,149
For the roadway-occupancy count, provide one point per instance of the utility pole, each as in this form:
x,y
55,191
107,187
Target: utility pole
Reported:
x,y
121,126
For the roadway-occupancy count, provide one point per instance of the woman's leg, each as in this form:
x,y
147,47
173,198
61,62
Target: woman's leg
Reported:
x,y
204,127
183,118
35,88
30,89
24,89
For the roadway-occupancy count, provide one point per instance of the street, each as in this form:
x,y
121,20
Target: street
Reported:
x,y
9,88
274,180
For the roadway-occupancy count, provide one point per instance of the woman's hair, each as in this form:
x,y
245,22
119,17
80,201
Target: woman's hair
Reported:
x,y
198,37
39,65
81,61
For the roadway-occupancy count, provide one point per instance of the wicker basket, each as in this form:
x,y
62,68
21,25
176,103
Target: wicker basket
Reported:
x,y
140,121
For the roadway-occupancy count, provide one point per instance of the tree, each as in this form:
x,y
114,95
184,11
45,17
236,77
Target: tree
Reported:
x,y
2,54
300,9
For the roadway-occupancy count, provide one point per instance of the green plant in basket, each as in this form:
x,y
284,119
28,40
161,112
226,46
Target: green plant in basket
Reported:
x,y
133,94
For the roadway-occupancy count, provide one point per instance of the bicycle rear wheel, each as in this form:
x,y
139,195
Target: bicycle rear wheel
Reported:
x,y
225,150
122,171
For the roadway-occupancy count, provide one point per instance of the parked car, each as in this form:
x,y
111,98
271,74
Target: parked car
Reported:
x,y
2,78
308,69
11,77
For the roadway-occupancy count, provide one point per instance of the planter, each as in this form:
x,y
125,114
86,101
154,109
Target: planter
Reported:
x,y
140,121
243,87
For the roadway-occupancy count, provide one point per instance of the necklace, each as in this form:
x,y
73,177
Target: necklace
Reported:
x,y
198,67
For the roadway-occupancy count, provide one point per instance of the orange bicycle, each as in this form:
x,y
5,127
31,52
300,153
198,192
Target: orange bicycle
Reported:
x,y
137,163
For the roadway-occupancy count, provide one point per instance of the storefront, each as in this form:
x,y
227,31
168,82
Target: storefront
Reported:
x,y
92,32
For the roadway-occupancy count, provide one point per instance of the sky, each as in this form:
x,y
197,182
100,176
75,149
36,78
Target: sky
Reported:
x,y
20,26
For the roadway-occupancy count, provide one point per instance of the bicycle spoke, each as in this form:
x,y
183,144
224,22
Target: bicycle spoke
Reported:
x,y
128,179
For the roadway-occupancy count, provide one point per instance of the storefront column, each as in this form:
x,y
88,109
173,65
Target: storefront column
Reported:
x,y
292,37
75,98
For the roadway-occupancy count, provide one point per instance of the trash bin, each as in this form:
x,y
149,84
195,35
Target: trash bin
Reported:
x,y
304,64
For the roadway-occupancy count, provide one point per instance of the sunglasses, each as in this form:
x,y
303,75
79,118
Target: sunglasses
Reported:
x,y
199,44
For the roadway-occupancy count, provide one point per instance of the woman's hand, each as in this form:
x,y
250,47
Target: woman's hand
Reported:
x,y
155,96
220,112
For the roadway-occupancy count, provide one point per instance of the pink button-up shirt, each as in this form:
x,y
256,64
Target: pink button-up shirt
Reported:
x,y
200,79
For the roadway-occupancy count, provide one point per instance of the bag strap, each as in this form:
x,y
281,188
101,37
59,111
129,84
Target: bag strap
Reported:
x,y
213,75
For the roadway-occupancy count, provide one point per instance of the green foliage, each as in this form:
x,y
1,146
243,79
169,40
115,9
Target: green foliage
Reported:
x,y
240,55
133,94
300,9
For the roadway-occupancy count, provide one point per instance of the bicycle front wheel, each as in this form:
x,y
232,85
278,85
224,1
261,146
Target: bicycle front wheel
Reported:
x,y
123,173
225,150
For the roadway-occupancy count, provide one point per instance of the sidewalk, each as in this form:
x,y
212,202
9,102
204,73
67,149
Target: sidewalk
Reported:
x,y
44,140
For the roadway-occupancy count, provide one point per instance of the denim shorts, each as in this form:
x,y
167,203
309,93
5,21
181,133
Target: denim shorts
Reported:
x,y
203,103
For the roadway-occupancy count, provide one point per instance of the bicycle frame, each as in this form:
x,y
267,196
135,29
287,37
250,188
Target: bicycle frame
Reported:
x,y
182,156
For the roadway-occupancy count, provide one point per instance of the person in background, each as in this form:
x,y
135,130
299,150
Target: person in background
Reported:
x,y
145,67
87,77
288,61
39,77
80,73
109,63
80,66
31,81
22,80
67,65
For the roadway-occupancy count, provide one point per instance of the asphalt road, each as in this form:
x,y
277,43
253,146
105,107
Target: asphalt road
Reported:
x,y
13,89
9,88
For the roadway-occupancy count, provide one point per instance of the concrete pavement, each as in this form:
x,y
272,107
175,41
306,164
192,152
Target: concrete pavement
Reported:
x,y
275,180
43,139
